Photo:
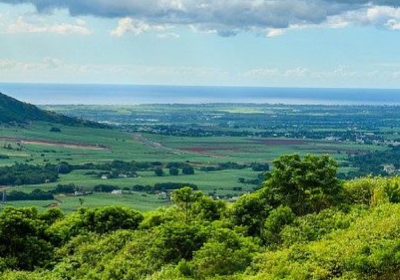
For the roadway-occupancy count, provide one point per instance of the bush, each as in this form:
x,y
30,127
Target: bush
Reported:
x,y
173,171
65,189
173,186
188,170
55,129
105,188
159,172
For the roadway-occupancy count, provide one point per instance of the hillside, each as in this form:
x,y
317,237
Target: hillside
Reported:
x,y
303,223
14,111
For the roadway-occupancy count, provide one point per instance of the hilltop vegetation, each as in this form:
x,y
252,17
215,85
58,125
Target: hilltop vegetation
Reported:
x,y
303,223
13,111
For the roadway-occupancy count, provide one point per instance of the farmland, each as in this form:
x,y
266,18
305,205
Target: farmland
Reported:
x,y
208,138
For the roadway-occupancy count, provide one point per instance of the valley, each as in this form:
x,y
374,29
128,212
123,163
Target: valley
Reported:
x,y
229,147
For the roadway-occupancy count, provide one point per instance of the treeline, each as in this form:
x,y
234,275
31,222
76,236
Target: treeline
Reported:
x,y
303,223
263,167
24,174
158,187
36,194
107,188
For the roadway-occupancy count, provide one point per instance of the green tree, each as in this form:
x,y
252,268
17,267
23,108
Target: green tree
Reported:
x,y
206,208
188,170
173,171
276,221
304,185
184,198
178,241
159,172
100,220
225,253
24,243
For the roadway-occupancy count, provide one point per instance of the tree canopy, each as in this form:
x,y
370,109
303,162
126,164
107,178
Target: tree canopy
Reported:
x,y
302,224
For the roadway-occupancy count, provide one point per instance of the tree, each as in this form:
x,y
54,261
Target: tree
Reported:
x,y
206,208
23,240
55,129
304,185
184,199
276,221
178,241
250,211
64,168
225,253
188,170
99,220
159,172
173,171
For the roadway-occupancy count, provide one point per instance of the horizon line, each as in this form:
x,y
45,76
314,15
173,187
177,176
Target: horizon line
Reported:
x,y
200,86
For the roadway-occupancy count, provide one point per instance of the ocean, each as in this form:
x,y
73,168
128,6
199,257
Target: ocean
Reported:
x,y
63,94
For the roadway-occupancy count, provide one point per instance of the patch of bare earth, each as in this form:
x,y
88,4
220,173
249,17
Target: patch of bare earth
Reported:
x,y
55,143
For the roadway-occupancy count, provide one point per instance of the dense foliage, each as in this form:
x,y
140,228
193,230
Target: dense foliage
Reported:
x,y
303,223
24,174
36,194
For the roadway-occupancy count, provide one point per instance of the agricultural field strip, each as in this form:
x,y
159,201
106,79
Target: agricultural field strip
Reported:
x,y
53,143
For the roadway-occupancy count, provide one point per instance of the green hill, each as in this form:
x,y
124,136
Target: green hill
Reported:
x,y
17,112
303,223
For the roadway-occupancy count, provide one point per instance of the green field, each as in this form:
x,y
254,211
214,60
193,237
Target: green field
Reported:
x,y
205,136
142,202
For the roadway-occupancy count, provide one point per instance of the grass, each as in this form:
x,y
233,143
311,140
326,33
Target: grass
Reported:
x,y
122,145
221,181
138,201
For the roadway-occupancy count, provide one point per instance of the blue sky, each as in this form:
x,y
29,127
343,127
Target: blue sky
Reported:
x,y
290,43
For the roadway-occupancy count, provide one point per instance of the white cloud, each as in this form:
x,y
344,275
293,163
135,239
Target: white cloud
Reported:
x,y
296,72
168,35
136,27
53,62
21,26
6,64
275,32
53,69
379,16
261,73
393,24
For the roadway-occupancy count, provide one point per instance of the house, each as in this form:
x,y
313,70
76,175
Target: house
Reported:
x,y
104,177
332,138
389,168
117,192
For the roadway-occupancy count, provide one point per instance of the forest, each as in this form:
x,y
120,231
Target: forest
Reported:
x,y
302,223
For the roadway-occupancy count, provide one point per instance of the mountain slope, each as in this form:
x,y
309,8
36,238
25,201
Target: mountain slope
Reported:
x,y
14,111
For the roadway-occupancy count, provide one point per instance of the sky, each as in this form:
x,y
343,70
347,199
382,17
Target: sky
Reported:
x,y
273,43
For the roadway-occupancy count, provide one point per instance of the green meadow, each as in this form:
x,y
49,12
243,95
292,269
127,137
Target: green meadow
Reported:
x,y
161,133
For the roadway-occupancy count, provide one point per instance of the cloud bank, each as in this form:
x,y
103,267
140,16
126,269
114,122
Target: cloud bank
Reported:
x,y
229,17
21,26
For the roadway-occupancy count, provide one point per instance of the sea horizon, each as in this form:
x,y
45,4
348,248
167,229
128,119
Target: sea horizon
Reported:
x,y
118,94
